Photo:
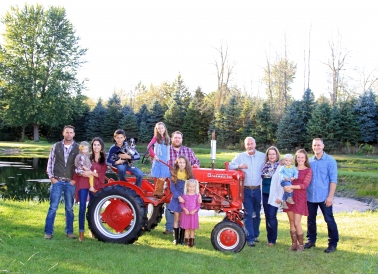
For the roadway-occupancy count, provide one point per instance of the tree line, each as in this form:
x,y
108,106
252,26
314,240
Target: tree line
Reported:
x,y
40,93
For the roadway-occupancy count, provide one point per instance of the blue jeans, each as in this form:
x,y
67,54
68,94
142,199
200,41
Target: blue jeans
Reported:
x,y
270,219
55,195
169,217
333,233
252,206
134,170
83,195
286,194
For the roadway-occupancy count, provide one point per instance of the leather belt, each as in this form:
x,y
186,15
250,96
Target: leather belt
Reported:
x,y
62,179
252,187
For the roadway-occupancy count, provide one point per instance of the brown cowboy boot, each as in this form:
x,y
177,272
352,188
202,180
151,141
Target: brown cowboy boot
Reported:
x,y
159,188
293,235
191,242
186,241
81,236
300,246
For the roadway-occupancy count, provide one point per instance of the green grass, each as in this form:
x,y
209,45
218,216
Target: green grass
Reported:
x,y
23,249
357,174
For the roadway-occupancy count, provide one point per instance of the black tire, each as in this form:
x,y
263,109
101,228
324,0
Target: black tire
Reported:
x,y
145,156
154,215
228,236
117,214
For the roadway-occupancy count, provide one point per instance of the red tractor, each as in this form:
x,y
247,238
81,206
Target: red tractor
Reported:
x,y
121,211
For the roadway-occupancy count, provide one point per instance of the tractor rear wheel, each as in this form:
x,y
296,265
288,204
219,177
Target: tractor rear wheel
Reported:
x,y
228,236
117,214
154,215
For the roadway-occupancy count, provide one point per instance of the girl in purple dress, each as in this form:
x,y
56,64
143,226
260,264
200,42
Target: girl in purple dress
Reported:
x,y
190,208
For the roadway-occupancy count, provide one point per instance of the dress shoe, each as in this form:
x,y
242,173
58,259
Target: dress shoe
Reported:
x,y
48,236
309,245
167,232
271,244
71,236
330,249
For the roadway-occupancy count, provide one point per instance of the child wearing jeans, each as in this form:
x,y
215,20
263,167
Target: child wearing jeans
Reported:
x,y
288,173
120,160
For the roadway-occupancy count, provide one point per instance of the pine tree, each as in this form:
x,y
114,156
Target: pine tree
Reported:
x,y
290,132
366,108
233,122
143,114
96,121
113,117
174,116
219,125
349,123
190,127
144,134
264,130
130,125
156,115
80,123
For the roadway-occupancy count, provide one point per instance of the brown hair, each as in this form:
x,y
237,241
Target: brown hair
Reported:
x,y
159,139
69,126
175,169
267,152
307,163
102,151
318,139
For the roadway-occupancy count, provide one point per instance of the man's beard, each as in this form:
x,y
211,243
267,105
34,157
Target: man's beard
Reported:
x,y
175,145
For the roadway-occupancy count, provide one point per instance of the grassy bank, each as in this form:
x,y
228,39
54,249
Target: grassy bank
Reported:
x,y
23,249
358,175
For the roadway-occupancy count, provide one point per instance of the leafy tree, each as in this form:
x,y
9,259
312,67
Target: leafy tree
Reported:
x,y
39,60
113,117
290,133
264,130
96,121
368,119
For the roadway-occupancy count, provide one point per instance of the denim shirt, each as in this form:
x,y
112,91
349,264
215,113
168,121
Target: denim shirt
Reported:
x,y
255,164
324,172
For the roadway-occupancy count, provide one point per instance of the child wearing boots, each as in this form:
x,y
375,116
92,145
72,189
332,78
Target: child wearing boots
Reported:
x,y
161,151
82,162
190,206
181,172
288,173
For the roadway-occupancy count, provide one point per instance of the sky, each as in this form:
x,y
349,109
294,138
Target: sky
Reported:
x,y
152,41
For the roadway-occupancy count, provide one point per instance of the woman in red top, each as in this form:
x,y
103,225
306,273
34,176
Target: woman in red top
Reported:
x,y
98,170
299,208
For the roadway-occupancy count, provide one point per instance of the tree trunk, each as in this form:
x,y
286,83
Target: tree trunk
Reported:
x,y
36,132
23,134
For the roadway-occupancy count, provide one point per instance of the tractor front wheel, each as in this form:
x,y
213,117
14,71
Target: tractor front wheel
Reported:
x,y
228,236
117,214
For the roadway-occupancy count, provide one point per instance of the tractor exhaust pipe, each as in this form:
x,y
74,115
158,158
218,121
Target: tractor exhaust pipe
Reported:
x,y
213,148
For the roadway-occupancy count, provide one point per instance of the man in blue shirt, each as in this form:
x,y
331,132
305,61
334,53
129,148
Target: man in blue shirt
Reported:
x,y
251,162
320,193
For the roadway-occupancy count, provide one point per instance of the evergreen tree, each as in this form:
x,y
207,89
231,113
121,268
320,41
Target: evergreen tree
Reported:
x,y
174,116
324,124
264,129
247,129
96,121
143,114
190,127
349,123
80,124
144,134
233,123
290,132
219,125
183,91
206,112
113,117
129,124
366,108
156,115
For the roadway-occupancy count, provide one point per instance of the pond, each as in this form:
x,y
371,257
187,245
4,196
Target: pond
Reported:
x,y
26,178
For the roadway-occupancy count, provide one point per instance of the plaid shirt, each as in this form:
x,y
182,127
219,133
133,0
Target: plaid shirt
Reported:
x,y
51,161
187,152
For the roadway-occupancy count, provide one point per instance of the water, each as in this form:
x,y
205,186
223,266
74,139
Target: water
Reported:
x,y
25,178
